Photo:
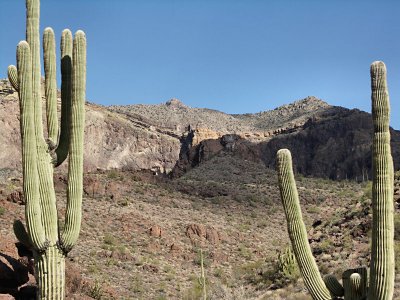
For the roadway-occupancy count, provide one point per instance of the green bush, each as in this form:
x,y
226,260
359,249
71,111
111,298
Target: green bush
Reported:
x,y
273,274
95,291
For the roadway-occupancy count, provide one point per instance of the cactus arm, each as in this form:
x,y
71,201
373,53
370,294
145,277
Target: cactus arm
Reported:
x,y
44,159
32,37
29,155
334,285
355,283
66,68
75,160
355,286
296,228
49,54
13,76
382,248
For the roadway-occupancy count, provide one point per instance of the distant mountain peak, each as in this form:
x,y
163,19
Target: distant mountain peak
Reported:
x,y
175,103
307,104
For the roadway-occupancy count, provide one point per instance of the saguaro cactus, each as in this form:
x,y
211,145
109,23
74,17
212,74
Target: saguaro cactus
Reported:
x,y
355,285
50,244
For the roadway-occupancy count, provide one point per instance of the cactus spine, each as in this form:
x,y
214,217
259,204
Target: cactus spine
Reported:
x,y
355,285
39,155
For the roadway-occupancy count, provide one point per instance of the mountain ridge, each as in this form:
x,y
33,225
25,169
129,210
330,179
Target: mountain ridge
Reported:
x,y
164,137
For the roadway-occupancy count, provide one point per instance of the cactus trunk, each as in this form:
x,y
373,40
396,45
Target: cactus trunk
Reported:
x,y
50,270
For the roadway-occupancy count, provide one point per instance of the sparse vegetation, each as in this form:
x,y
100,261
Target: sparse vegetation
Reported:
x,y
117,241
95,291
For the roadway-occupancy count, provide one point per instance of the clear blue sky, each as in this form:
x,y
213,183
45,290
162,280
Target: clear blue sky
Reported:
x,y
234,56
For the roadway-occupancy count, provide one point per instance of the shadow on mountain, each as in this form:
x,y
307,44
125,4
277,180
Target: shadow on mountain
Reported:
x,y
335,143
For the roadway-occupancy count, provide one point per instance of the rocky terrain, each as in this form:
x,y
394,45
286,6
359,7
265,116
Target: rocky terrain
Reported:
x,y
335,143
141,234
142,231
327,141
176,116
111,140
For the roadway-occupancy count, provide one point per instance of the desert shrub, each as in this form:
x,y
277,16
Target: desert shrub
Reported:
x,y
73,280
95,291
109,240
243,250
123,202
287,265
195,291
367,193
202,255
314,209
115,175
326,245
273,274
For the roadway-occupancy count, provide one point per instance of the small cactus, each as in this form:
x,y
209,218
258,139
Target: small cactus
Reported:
x,y
355,285
202,278
287,265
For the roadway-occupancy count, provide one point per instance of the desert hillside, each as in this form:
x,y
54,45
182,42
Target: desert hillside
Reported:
x,y
142,235
167,184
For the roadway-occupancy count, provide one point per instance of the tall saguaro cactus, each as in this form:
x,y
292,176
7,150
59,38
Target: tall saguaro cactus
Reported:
x,y
355,285
40,155
382,252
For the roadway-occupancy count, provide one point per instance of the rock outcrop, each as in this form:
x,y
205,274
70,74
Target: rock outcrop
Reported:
x,y
335,143
111,140
325,141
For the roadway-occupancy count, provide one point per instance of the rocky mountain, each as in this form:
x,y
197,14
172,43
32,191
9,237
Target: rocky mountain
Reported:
x,y
326,141
333,143
111,140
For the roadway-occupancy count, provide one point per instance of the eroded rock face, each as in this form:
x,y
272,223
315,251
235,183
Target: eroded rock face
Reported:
x,y
207,149
156,231
335,143
201,134
16,197
111,140
199,232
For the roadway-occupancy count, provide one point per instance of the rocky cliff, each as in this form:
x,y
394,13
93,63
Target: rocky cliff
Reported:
x,y
333,143
325,141
111,139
